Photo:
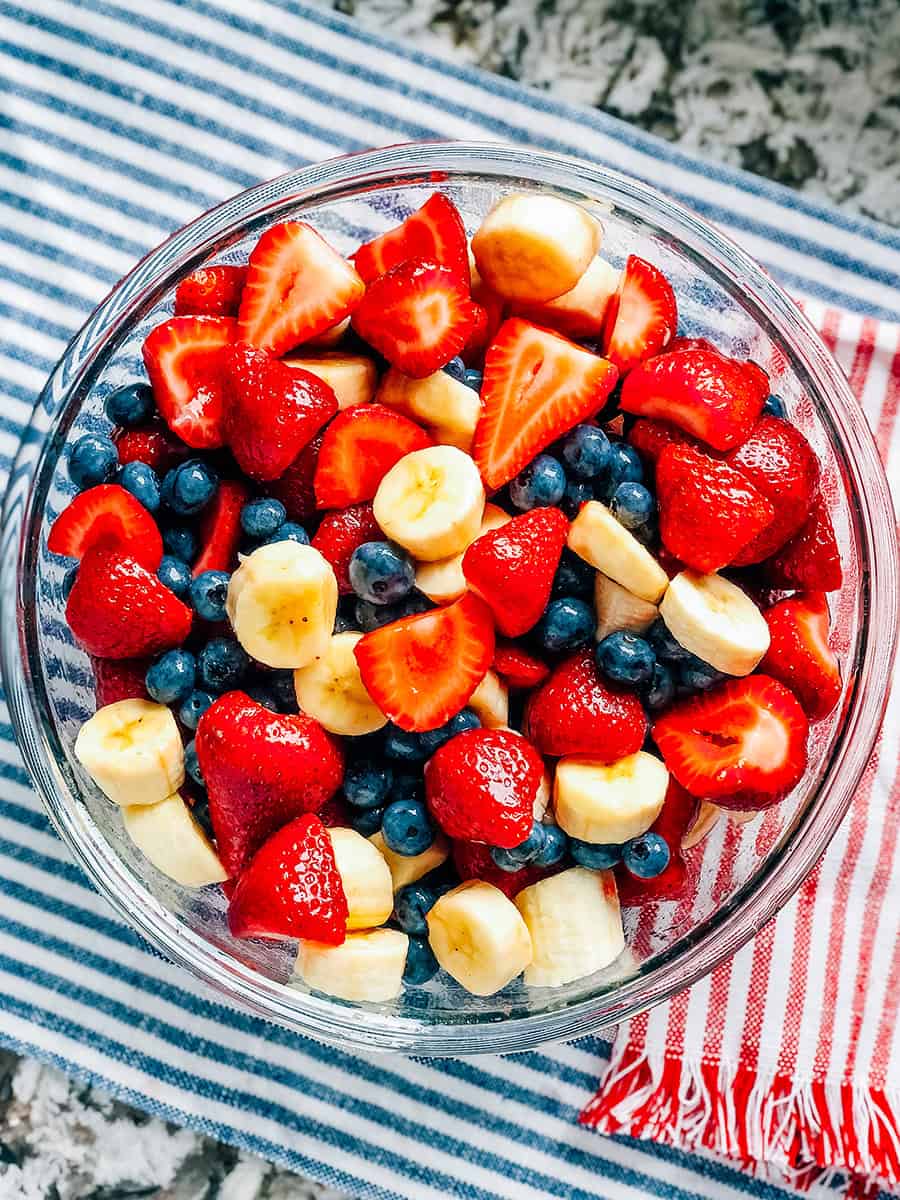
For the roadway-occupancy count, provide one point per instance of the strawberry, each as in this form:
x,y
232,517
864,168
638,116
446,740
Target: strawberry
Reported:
x,y
780,463
691,343
473,861
799,654
211,292
434,233
335,812
273,410
518,668
292,888
678,813
811,560
512,567
481,786
262,769
642,316
742,744
489,311
537,385
340,533
220,528
359,448
121,679
183,357
297,287
295,488
119,609
422,669
153,444
107,515
708,511
575,712
715,398
418,316
650,437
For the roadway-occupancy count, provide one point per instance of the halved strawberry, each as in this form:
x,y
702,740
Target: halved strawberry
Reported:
x,y
650,437
340,533
359,448
512,568
642,316
295,488
434,232
799,654
220,528
421,670
153,444
119,679
183,357
297,287
211,292
107,515
715,398
419,316
691,343
489,312
678,812
537,385
811,560
518,668
742,744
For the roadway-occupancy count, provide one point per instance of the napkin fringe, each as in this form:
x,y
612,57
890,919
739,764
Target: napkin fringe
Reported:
x,y
775,1127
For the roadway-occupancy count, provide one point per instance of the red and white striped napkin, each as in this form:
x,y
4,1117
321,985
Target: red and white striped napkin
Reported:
x,y
787,1058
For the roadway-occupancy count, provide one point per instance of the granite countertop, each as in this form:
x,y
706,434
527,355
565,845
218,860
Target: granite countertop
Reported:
x,y
804,92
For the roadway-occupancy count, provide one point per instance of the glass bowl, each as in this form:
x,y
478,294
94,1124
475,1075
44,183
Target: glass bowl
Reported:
x,y
740,875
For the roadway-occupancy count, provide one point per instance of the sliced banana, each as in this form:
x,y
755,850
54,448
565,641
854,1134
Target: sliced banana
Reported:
x,y
366,878
579,312
478,937
447,407
132,750
535,248
167,834
707,819
611,803
366,967
714,619
575,926
330,338
431,502
490,702
281,602
409,868
443,581
620,610
352,377
596,536
331,689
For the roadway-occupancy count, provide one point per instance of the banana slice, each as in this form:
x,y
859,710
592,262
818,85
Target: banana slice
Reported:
x,y
575,926
535,248
366,878
714,619
366,967
443,581
167,834
609,804
352,377
431,502
447,407
410,868
281,602
596,536
577,313
132,750
706,820
542,811
620,610
330,338
478,937
490,702
331,690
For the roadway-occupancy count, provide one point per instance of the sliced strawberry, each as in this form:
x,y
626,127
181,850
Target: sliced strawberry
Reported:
x,y
220,528
183,358
489,313
708,511
421,670
152,444
211,292
650,437
473,861
811,560
419,316
297,287
359,448
715,398
537,385
434,233
108,516
296,487
742,744
518,668
119,679
691,343
642,316
799,654
512,567
678,813
340,533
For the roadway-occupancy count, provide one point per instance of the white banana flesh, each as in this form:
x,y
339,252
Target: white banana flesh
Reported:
x,y
619,610
490,702
706,820
478,937
132,750
167,834
366,878
431,502
449,410
409,868
596,536
443,581
352,377
579,312
367,967
609,803
330,338
331,690
714,619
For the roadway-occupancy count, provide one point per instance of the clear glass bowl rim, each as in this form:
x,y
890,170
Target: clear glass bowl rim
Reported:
x,y
753,905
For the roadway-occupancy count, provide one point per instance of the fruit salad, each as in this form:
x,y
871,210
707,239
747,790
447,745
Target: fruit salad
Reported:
x,y
442,597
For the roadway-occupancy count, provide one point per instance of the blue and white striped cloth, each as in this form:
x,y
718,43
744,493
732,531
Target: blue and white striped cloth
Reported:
x,y
120,121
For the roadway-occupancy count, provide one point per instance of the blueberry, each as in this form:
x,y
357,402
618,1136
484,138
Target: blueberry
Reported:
x,y
421,965
261,518
664,644
262,695
371,616
695,675
381,573
473,379
367,783
456,369
433,739
586,451
574,577
411,904
367,820
171,677
200,813
646,856
407,786
404,747
290,531
578,492
407,827
632,505
774,407
175,574
541,483
281,685
626,659
221,664
208,594
189,487
194,706
554,849
624,465
516,857
130,405
69,581
192,763
566,624
594,857
92,460
344,623
180,542
661,690
142,482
